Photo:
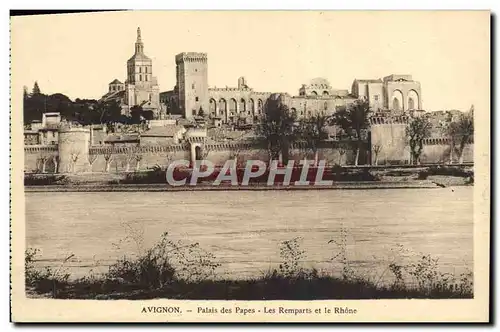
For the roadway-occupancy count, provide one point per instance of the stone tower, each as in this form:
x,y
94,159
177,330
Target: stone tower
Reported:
x,y
73,146
192,83
388,140
141,86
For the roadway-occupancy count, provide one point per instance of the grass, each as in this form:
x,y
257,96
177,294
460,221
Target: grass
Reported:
x,y
185,271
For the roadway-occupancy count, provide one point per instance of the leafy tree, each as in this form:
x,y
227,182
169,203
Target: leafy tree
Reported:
x,y
313,131
461,131
148,115
36,89
277,128
33,107
110,111
354,120
136,114
417,129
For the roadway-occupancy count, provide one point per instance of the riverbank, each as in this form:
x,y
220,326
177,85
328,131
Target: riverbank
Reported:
x,y
170,270
344,178
208,187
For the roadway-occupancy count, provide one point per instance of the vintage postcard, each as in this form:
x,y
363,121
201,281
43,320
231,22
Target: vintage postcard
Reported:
x,y
250,166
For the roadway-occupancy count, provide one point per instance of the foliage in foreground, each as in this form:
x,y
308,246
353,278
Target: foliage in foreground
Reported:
x,y
172,269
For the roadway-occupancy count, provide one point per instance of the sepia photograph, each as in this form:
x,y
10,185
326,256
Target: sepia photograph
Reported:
x,y
264,165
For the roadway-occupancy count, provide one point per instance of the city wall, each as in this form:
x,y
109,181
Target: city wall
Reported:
x,y
389,144
120,159
74,154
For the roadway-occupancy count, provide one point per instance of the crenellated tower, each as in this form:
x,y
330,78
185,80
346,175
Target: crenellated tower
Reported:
x,y
192,83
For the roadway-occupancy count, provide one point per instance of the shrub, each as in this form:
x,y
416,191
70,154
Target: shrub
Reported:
x,y
450,171
291,254
43,179
166,262
43,280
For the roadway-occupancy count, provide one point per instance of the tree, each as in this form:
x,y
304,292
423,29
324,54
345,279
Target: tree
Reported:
x,y
277,128
108,112
25,93
461,131
417,129
201,112
138,158
376,151
92,158
234,154
43,158
136,114
354,120
148,115
36,89
313,131
341,155
108,157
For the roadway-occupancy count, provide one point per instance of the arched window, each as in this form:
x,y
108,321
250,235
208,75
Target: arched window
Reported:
x,y
411,104
395,104
243,106
325,93
222,107
140,69
140,77
325,106
397,101
252,106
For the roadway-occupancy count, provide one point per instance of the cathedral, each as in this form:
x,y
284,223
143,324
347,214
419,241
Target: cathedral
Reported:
x,y
140,88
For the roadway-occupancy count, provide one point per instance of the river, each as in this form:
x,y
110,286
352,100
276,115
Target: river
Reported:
x,y
244,229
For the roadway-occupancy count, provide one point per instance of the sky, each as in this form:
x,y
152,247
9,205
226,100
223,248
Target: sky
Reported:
x,y
79,54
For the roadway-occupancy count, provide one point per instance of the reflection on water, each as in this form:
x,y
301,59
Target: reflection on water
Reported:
x,y
244,229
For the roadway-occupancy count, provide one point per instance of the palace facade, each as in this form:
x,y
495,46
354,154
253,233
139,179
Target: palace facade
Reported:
x,y
192,96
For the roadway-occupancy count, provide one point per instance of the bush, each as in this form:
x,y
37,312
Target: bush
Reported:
x,y
184,271
43,179
43,280
164,263
450,171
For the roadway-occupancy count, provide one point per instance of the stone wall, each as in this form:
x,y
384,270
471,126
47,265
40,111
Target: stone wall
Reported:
x,y
388,138
334,152
437,150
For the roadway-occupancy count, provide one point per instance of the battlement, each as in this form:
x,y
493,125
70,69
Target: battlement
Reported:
x,y
380,120
108,150
41,149
229,89
190,57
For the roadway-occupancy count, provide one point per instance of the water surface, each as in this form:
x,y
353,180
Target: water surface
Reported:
x,y
244,229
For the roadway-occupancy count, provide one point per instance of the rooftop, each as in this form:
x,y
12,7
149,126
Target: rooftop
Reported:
x,y
163,131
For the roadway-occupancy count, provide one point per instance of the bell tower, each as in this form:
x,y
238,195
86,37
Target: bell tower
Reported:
x,y
141,86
